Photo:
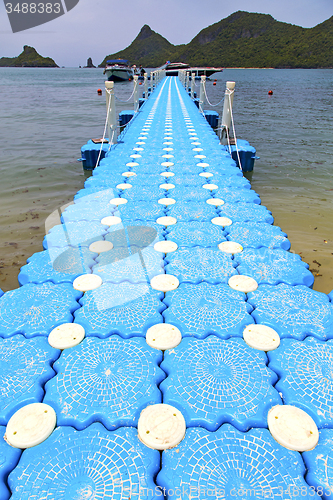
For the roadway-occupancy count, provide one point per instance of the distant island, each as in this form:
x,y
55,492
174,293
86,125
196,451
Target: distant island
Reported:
x,y
29,58
244,40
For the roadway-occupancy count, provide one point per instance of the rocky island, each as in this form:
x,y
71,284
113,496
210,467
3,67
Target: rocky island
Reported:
x,y
29,58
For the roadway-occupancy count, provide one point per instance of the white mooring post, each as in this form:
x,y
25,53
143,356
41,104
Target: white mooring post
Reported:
x,y
111,108
136,93
227,107
192,84
187,81
202,92
145,83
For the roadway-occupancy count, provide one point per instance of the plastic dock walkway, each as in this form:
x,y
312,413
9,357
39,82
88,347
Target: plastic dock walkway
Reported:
x,y
188,310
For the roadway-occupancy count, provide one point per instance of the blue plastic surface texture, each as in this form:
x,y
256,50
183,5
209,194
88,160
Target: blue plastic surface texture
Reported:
x,y
229,464
57,265
243,212
305,376
214,381
193,233
110,381
8,460
94,194
189,193
294,311
256,235
194,265
237,195
123,308
198,310
93,463
74,233
89,211
25,367
319,463
37,309
187,211
140,211
273,266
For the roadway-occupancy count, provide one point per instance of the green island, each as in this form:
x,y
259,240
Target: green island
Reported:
x,y
29,58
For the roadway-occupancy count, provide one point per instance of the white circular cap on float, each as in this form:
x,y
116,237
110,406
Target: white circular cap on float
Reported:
x,y
101,246
242,283
124,186
192,133
111,220
217,202
167,186
199,156
30,425
261,337
161,426
292,427
132,164
197,149
230,247
118,201
167,156
167,174
210,186
167,220
167,149
166,201
167,143
128,174
66,335
167,164
196,143
164,282
141,143
87,282
221,221
135,156
203,165
206,174
138,149
165,246
163,336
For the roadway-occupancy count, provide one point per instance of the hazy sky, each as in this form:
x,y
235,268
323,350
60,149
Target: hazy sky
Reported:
x,y
96,28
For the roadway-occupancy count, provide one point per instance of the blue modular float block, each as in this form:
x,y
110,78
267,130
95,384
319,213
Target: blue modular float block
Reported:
x,y
1,292
187,211
189,193
194,265
139,234
243,212
237,195
89,211
202,309
256,235
94,194
319,464
25,367
305,376
109,381
330,296
273,266
193,233
122,308
227,181
214,381
81,233
229,464
138,267
8,460
90,153
57,265
193,181
294,311
140,211
93,463
36,309
143,193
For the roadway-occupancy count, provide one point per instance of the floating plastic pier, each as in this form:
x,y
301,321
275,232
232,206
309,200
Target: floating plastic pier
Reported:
x,y
192,358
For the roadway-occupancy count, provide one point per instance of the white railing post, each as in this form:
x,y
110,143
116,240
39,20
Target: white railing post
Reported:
x,y
187,81
136,93
152,80
145,82
192,84
202,92
227,107
111,110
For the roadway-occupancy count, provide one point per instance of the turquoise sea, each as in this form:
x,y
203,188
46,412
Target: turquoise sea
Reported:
x,y
46,115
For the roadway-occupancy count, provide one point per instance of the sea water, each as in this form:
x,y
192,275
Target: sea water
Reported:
x,y
46,115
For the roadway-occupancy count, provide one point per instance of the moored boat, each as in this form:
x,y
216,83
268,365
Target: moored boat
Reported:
x,y
173,68
118,70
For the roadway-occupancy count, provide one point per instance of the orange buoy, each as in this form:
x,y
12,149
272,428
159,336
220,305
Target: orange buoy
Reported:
x,y
214,83
99,91
140,83
270,92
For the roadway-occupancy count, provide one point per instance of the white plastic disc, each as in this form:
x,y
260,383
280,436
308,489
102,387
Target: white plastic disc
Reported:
x,y
161,426
135,156
118,201
30,425
192,133
210,186
203,164
197,149
124,186
167,143
243,283
132,164
111,220
167,156
196,143
167,186
128,174
166,220
215,201
167,164
206,174
165,246
292,427
261,337
163,336
221,221
101,246
166,201
66,335
199,156
230,247
87,282
137,149
167,149
167,174
141,143
164,282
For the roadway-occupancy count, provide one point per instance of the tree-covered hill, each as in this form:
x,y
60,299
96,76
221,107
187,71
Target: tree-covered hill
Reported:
x,y
28,58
